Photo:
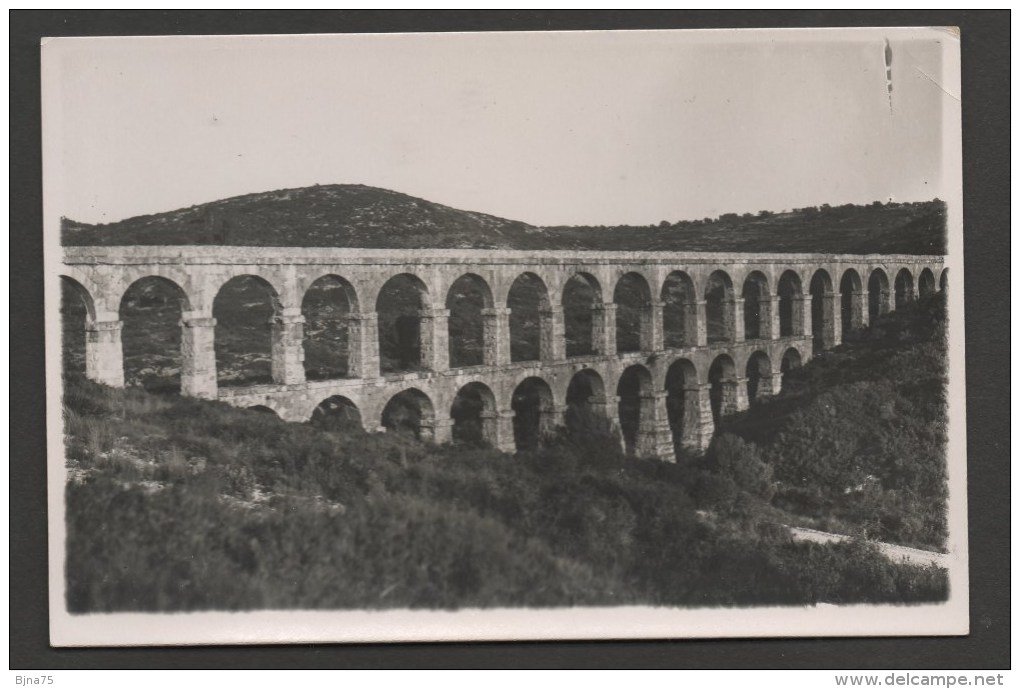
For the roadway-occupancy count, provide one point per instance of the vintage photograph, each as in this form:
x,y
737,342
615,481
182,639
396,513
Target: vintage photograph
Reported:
x,y
520,335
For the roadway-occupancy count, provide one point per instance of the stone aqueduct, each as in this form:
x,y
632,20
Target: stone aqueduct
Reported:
x,y
801,303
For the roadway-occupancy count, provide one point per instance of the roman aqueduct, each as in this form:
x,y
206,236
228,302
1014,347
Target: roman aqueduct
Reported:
x,y
710,334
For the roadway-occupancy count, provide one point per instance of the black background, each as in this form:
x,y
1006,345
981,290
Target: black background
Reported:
x,y
986,136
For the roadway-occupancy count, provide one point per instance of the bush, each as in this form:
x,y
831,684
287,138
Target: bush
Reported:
x,y
741,461
715,492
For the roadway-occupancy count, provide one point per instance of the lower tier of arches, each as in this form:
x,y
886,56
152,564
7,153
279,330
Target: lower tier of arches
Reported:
x,y
654,404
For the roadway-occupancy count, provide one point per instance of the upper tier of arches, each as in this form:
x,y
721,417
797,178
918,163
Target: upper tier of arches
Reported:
x,y
381,319
663,285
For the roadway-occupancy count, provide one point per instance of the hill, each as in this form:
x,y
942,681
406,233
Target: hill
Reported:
x,y
369,217
335,215
900,228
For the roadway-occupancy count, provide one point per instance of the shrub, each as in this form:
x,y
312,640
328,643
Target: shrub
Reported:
x,y
741,461
715,492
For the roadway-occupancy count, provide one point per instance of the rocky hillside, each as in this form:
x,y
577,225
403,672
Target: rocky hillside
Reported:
x,y
368,217
334,215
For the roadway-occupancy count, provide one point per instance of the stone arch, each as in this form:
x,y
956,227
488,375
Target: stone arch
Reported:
x,y
878,294
760,381
185,286
344,287
76,290
176,291
687,408
720,312
151,310
791,360
632,297
727,394
535,413
757,307
468,300
925,283
247,340
582,298
823,316
531,327
338,414
474,415
266,275
77,314
410,412
327,306
679,311
791,304
263,409
944,280
634,385
587,406
406,324
904,287
851,303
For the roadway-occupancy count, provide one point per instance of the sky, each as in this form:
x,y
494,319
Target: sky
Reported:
x,y
549,128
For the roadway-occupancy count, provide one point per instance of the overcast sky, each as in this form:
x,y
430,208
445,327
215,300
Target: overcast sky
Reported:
x,y
554,128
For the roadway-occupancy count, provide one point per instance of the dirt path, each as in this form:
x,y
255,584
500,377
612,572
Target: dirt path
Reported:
x,y
896,553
